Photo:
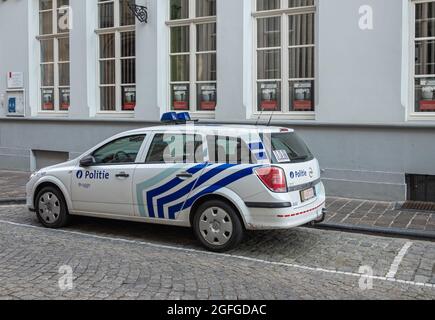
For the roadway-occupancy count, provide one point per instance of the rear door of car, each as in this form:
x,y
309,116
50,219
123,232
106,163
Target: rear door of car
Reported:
x,y
171,166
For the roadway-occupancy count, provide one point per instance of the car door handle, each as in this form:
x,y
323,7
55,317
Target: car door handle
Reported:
x,y
122,175
184,175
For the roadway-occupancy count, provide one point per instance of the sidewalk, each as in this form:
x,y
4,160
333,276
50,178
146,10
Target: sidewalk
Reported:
x,y
343,214
13,186
378,217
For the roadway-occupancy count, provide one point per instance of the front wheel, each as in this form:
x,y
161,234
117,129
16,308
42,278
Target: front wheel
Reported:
x,y
51,208
217,226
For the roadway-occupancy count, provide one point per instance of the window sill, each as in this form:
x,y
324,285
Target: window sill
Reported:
x,y
284,116
62,114
115,114
421,116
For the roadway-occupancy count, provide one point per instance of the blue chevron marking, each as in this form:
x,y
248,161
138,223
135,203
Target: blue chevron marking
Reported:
x,y
168,186
191,186
172,211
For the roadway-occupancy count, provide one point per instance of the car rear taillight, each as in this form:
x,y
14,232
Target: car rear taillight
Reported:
x,y
273,178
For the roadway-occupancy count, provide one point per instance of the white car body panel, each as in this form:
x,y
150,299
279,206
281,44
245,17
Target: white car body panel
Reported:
x,y
153,193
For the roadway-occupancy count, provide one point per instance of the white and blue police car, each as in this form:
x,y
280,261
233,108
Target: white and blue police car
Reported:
x,y
219,180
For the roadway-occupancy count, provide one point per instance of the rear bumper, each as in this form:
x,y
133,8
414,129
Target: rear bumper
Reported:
x,y
285,218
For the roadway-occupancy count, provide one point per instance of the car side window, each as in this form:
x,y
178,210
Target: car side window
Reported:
x,y
176,148
228,150
119,151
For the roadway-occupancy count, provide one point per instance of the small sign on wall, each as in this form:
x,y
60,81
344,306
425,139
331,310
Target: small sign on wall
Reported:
x,y
15,80
16,104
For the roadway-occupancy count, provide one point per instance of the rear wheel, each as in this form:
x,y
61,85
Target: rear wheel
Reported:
x,y
51,208
217,226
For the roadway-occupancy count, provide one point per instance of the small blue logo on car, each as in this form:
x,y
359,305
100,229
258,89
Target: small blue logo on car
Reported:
x,y
292,175
79,174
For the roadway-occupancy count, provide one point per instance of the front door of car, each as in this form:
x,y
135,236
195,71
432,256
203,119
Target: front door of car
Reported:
x,y
172,165
105,186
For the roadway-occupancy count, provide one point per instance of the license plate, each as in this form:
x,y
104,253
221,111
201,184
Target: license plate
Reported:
x,y
307,194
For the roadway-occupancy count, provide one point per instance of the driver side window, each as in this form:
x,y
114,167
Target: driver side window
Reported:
x,y
120,151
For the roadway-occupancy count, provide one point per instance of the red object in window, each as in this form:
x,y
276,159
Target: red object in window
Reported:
x,y
181,105
48,106
129,106
64,106
273,178
427,105
302,105
269,105
208,105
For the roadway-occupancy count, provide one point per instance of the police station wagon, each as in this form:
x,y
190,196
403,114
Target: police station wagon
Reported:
x,y
219,180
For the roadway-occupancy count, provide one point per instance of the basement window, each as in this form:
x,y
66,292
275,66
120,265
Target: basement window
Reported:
x,y
420,188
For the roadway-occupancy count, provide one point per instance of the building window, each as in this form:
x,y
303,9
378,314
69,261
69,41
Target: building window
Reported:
x,y
424,49
117,56
54,55
285,56
193,84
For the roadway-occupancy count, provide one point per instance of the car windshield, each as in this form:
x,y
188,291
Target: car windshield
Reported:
x,y
288,147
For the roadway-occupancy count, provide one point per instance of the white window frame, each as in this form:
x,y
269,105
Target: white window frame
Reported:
x,y
192,22
117,29
283,12
55,36
411,113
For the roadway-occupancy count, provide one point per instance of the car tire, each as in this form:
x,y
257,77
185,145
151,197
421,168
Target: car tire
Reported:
x,y
51,208
217,226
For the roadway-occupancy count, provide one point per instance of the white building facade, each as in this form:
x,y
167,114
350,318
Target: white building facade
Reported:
x,y
355,77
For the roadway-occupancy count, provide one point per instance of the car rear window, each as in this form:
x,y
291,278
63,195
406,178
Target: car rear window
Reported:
x,y
288,147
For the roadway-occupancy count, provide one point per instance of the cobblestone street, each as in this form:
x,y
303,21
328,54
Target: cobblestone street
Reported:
x,y
121,260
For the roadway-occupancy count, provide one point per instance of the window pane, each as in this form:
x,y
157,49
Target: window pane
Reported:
x,y
128,98
128,71
47,99
176,148
301,29
228,150
126,17
61,3
206,67
269,64
269,96
425,23
180,68
107,45
107,99
300,3
301,63
106,15
124,150
425,57
45,4
180,97
128,44
64,99
205,8
206,37
63,49
47,51
46,22
47,75
206,96
425,95
180,39
269,32
63,22
107,72
64,74
179,9
301,96
263,5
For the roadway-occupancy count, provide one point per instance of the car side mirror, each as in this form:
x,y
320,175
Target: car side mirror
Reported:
x,y
87,161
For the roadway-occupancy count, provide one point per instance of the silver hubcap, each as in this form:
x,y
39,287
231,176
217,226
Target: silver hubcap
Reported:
x,y
49,207
216,226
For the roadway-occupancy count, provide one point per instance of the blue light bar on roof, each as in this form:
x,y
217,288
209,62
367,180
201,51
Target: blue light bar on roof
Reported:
x,y
169,117
173,117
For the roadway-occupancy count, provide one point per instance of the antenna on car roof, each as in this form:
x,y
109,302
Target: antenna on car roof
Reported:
x,y
261,113
270,119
